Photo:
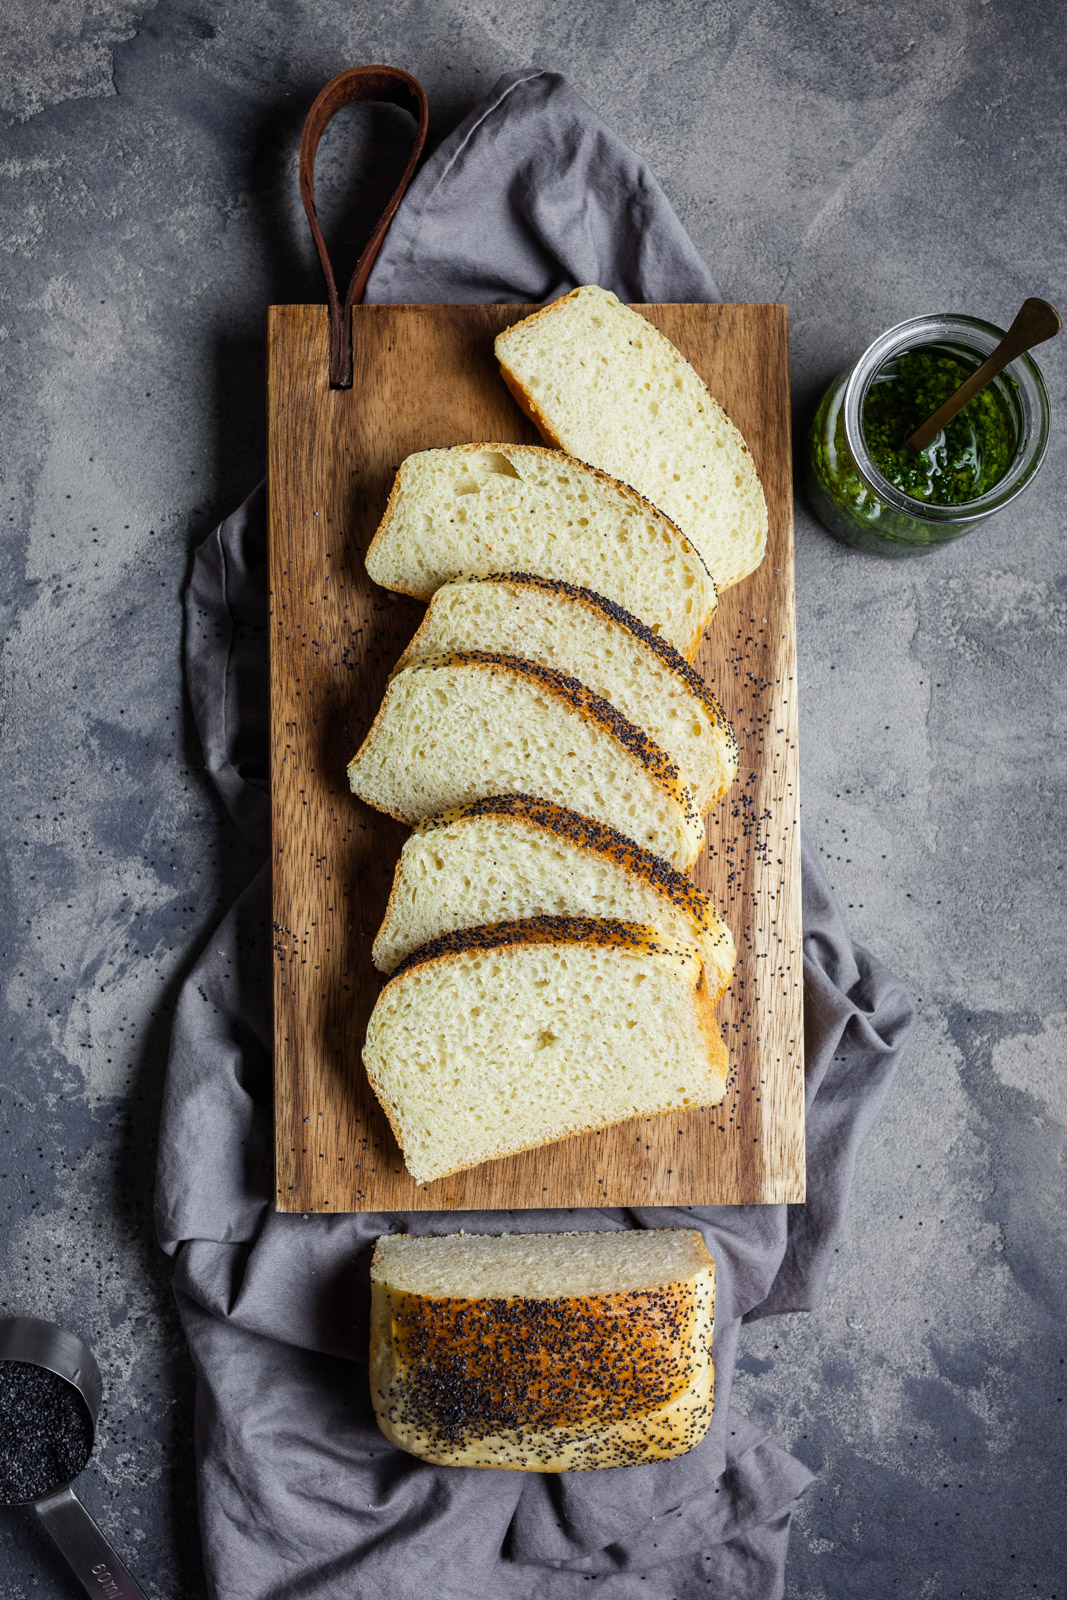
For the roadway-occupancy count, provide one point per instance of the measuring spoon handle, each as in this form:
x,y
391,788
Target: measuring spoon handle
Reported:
x,y
91,1558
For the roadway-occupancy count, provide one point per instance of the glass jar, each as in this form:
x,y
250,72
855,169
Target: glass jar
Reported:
x,y
851,496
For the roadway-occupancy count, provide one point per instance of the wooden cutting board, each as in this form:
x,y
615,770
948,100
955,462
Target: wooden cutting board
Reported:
x,y
425,376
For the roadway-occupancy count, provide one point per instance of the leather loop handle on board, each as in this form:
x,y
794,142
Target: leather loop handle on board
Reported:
x,y
358,84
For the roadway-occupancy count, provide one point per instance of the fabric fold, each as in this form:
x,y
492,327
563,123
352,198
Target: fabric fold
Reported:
x,y
226,663
759,1482
530,196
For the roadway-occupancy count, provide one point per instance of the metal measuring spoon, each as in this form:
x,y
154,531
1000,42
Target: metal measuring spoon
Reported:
x,y
91,1558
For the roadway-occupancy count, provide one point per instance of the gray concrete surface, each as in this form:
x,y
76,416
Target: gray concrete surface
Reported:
x,y
864,163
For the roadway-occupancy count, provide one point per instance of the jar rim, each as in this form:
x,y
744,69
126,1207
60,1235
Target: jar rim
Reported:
x,y
982,338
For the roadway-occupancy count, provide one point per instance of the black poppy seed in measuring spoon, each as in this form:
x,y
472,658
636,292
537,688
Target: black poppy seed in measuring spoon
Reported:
x,y
50,1393
46,1432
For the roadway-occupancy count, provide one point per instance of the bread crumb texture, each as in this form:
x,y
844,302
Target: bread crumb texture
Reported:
x,y
599,380
593,639
543,1352
485,508
458,728
493,1040
513,857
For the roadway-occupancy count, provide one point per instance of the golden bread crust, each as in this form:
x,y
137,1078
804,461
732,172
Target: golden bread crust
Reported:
x,y
526,403
549,930
605,932
624,490
546,817
591,707
610,611
556,1384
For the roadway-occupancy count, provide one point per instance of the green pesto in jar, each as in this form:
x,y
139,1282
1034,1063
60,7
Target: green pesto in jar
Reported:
x,y
961,462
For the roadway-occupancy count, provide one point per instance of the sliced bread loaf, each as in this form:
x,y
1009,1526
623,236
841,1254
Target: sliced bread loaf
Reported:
x,y
543,1352
484,508
462,727
596,641
511,857
599,380
495,1040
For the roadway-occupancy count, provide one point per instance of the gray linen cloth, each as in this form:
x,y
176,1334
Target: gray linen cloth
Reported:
x,y
300,1495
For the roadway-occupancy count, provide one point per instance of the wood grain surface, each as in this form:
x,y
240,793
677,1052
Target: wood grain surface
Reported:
x,y
425,376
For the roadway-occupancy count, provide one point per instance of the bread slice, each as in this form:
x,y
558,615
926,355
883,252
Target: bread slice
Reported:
x,y
596,641
465,726
543,1352
483,508
599,380
494,1040
510,857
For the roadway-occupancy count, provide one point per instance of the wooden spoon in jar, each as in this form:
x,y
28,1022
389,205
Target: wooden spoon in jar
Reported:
x,y
1036,322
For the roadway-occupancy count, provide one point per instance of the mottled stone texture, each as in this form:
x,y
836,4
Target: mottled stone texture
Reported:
x,y
864,163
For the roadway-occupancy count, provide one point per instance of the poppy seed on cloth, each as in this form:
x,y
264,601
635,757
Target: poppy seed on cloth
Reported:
x,y
46,1432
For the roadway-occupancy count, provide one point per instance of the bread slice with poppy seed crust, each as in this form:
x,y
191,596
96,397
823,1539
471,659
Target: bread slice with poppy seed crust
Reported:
x,y
595,640
601,381
482,508
461,727
512,857
543,1352
493,1040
